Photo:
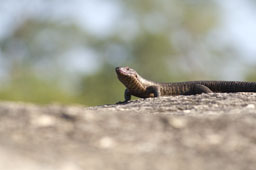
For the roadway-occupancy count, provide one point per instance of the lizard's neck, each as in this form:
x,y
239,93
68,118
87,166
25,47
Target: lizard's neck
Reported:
x,y
138,83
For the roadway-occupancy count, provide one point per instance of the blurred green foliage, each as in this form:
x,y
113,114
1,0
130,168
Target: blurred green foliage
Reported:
x,y
162,40
101,87
30,88
251,73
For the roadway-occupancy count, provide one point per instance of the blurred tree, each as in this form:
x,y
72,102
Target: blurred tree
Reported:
x,y
33,56
171,35
250,73
39,44
163,40
101,87
30,88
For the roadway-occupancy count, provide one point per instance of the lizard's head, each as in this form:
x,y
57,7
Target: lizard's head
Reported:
x,y
125,74
128,77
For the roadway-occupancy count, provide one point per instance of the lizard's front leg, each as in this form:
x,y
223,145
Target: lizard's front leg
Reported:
x,y
127,97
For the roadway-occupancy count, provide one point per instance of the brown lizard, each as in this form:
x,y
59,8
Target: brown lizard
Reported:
x,y
140,87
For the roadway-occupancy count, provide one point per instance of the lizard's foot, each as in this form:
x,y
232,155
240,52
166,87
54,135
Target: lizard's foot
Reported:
x,y
122,102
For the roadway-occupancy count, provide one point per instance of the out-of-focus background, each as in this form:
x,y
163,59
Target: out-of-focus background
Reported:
x,y
66,51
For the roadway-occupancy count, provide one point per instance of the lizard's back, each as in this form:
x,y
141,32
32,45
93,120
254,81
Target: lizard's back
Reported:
x,y
180,88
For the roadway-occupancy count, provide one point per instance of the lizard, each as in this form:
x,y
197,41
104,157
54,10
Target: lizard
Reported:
x,y
138,86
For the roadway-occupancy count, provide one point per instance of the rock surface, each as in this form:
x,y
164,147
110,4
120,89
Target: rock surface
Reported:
x,y
208,131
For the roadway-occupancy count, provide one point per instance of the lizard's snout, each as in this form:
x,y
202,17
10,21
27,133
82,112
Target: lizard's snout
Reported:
x,y
124,70
121,69
117,68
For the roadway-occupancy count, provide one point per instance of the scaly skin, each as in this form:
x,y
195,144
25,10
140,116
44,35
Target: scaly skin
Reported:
x,y
140,87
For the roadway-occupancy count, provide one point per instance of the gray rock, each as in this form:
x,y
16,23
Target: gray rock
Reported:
x,y
208,131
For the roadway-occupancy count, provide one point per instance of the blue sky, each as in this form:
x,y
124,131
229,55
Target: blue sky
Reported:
x,y
239,26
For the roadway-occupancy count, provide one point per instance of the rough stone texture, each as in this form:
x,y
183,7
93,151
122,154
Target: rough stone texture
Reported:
x,y
208,131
